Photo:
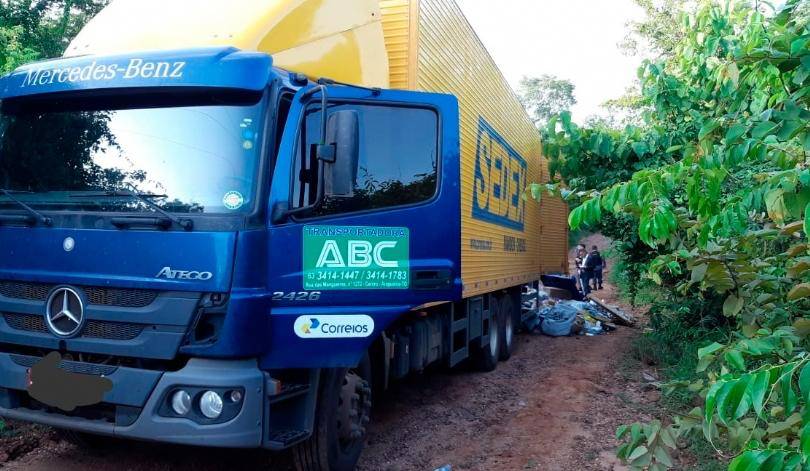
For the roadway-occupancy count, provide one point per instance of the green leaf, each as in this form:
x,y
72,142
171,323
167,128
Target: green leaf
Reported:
x,y
735,359
799,291
662,456
575,217
759,387
775,204
640,148
799,45
789,399
775,462
699,273
708,128
749,461
790,129
732,402
763,129
565,116
805,440
709,349
735,132
807,220
711,402
804,382
733,305
637,453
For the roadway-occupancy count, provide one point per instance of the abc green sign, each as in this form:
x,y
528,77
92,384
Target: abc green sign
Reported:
x,y
352,257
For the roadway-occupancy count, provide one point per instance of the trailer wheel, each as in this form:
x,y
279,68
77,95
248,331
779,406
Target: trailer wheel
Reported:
x,y
506,328
486,356
342,415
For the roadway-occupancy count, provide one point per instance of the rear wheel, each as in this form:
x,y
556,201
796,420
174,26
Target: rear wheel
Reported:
x,y
486,356
342,415
506,328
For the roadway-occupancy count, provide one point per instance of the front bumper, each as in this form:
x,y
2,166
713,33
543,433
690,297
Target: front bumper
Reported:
x,y
130,409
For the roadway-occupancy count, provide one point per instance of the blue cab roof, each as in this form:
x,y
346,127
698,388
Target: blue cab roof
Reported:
x,y
203,67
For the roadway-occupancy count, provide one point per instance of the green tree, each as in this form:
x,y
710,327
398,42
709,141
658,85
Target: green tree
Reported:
x,y
660,32
546,96
719,187
40,29
12,52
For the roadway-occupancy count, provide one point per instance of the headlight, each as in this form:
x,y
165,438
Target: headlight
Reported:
x,y
181,402
211,404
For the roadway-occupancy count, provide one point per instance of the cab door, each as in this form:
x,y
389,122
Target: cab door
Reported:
x,y
384,239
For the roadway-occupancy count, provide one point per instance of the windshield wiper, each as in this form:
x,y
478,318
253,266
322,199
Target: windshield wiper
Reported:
x,y
35,215
146,199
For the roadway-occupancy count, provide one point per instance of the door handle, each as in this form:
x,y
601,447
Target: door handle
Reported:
x,y
431,279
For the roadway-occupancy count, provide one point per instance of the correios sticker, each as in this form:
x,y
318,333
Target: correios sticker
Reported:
x,y
334,327
352,257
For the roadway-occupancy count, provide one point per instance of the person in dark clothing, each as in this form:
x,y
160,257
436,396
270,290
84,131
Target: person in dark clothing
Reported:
x,y
595,264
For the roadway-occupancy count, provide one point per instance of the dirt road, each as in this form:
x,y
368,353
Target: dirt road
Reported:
x,y
554,406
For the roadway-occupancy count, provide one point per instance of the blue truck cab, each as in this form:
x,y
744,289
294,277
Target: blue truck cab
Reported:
x,y
242,267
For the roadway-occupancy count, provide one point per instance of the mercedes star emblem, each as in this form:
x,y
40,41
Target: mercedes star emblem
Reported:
x,y
69,244
64,313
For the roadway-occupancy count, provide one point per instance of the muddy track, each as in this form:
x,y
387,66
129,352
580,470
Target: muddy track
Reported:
x,y
553,406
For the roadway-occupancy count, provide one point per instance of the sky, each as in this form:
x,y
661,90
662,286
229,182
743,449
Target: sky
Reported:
x,y
572,39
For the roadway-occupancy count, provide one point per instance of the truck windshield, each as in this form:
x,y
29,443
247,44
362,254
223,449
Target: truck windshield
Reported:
x,y
188,153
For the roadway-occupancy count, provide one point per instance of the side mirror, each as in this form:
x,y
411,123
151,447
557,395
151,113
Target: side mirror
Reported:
x,y
340,172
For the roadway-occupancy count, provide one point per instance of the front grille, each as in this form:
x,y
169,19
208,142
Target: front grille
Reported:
x,y
92,330
70,366
111,330
103,412
25,322
118,297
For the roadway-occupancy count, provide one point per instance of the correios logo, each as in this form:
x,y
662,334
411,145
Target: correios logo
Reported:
x,y
334,327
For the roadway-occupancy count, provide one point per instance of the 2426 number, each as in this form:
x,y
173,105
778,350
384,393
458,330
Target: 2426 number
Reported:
x,y
297,296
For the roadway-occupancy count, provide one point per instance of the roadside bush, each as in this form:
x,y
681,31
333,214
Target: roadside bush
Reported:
x,y
716,186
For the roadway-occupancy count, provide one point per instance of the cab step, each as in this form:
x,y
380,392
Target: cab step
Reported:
x,y
283,439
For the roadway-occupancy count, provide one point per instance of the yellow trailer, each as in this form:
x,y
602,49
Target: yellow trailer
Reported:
x,y
506,240
425,45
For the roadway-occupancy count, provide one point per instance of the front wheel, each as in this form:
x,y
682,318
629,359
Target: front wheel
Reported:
x,y
342,416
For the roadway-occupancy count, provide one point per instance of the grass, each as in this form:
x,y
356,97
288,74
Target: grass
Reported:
x,y
678,328
704,455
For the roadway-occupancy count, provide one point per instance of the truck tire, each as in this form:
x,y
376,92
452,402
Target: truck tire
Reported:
x,y
341,417
506,327
486,356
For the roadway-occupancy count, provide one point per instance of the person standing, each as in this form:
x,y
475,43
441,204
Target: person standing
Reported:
x,y
579,260
595,265
586,273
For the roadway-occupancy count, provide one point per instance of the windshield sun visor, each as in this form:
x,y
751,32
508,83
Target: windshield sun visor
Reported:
x,y
204,67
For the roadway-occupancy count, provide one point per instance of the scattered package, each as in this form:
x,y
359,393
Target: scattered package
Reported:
x,y
559,318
